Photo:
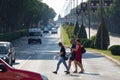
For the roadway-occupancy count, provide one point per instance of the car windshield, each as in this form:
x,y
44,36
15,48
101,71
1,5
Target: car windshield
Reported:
x,y
3,50
53,28
34,33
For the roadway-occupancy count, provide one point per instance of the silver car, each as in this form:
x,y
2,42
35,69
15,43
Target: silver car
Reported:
x,y
7,52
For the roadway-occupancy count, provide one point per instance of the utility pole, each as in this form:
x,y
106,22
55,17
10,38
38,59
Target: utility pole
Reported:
x,y
82,13
89,18
76,10
101,8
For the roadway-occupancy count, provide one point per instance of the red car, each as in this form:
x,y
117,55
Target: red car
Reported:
x,y
9,73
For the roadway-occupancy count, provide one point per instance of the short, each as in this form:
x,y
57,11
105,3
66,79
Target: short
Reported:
x,y
72,56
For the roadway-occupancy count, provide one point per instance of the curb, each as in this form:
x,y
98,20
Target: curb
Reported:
x,y
108,57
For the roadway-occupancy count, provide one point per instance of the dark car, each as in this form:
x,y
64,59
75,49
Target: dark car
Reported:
x,y
7,52
46,30
54,30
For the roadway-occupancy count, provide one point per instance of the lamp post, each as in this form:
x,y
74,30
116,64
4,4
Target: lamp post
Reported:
x,y
83,9
89,18
77,11
102,4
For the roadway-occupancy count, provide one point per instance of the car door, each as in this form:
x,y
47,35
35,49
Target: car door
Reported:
x,y
6,74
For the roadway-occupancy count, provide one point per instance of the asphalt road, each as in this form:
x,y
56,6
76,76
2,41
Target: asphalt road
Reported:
x,y
39,58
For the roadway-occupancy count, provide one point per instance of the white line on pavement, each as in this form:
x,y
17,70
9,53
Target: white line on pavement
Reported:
x,y
24,62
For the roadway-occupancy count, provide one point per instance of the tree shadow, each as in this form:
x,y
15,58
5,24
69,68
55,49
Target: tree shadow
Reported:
x,y
16,63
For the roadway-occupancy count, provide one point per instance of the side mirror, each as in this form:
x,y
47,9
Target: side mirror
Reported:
x,y
12,49
2,68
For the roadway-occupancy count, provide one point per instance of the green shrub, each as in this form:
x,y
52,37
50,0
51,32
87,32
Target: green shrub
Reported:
x,y
87,43
93,41
115,49
76,29
93,37
82,40
12,35
82,32
65,38
92,45
69,31
102,38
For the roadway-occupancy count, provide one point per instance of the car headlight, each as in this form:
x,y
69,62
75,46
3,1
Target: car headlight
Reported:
x,y
43,77
4,58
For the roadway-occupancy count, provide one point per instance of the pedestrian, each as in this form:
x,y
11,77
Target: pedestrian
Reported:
x,y
78,56
72,54
62,54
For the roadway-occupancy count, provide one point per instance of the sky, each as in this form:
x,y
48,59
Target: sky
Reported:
x,y
57,5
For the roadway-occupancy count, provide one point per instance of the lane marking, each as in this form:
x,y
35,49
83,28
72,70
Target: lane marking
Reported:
x,y
24,62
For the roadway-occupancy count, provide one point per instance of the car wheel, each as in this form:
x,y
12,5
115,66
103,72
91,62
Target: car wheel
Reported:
x,y
13,61
29,42
40,41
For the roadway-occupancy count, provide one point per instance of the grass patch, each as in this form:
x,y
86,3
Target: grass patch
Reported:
x,y
65,38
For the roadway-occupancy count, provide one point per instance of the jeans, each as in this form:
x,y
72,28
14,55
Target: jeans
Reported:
x,y
61,60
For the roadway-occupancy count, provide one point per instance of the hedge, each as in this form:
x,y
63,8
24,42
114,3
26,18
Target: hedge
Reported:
x,y
115,49
12,35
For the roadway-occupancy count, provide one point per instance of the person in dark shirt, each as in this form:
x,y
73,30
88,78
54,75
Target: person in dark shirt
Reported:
x,y
72,54
62,54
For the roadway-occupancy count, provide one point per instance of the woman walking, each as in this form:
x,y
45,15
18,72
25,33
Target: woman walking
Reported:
x,y
72,54
62,54
78,56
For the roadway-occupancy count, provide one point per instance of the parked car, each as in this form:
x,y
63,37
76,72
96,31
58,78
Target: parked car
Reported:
x,y
46,30
54,30
7,52
34,35
9,73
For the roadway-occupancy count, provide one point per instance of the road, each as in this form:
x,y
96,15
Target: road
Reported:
x,y
39,58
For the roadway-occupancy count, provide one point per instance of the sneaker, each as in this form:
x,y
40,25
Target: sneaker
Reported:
x,y
75,72
81,71
67,72
55,72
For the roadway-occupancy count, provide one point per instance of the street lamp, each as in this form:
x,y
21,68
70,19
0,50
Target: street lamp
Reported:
x,y
83,9
102,3
94,2
77,11
108,2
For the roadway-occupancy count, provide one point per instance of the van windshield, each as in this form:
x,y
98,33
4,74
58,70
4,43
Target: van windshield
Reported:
x,y
34,33
3,50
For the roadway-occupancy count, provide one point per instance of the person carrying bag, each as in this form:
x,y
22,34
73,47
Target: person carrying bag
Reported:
x,y
62,59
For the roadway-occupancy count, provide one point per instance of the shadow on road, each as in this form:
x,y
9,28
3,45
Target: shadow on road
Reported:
x,y
91,55
88,73
75,75
16,63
